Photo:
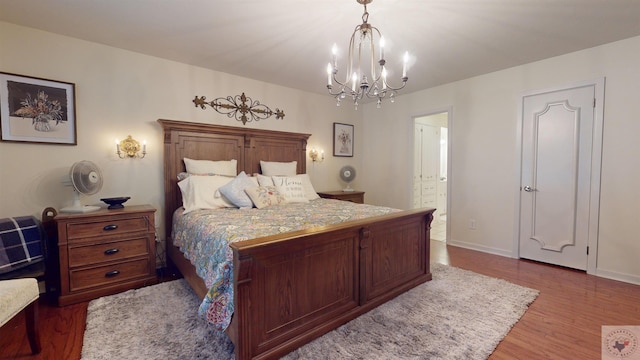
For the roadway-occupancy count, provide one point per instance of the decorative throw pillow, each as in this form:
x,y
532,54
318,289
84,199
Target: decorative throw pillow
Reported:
x,y
199,192
291,188
309,191
276,168
234,191
264,196
209,167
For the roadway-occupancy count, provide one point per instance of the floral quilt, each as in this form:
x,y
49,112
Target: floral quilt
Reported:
x,y
204,237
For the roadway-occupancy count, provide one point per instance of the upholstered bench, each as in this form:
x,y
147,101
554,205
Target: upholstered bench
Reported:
x,y
17,295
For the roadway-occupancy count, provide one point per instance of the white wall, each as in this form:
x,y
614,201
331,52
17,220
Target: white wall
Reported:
x,y
484,171
120,93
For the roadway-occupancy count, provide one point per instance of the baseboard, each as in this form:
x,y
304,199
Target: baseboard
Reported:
x,y
613,275
485,249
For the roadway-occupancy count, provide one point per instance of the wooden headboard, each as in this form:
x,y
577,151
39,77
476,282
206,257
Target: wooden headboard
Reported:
x,y
216,142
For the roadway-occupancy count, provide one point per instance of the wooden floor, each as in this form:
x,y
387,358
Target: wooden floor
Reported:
x,y
563,323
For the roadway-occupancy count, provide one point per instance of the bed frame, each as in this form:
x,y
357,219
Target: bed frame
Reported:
x,y
292,288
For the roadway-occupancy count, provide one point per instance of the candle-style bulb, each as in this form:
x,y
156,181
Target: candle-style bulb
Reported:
x,y
404,64
384,77
334,54
354,78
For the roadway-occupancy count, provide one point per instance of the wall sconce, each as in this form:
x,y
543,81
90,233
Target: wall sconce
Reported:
x,y
315,155
130,148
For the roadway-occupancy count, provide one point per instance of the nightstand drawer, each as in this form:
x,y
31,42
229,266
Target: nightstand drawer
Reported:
x,y
111,227
109,251
104,275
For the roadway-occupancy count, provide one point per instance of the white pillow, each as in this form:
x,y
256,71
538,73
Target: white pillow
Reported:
x,y
254,180
291,188
265,180
234,190
209,167
274,168
199,192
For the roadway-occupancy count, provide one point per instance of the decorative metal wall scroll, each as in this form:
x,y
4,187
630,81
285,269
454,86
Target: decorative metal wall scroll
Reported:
x,y
239,106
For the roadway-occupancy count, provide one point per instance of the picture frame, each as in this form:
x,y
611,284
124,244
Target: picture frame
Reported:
x,y
37,110
343,140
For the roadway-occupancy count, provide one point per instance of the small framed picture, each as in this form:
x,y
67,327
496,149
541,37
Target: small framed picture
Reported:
x,y
342,139
37,110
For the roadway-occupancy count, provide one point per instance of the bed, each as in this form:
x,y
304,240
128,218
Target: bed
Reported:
x,y
358,264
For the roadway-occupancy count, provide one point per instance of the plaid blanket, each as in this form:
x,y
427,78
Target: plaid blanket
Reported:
x,y
20,242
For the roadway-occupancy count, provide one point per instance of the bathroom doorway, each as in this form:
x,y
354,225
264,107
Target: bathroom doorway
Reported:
x,y
431,166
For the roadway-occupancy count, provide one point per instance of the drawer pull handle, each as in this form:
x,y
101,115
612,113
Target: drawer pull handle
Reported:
x,y
111,251
112,273
110,227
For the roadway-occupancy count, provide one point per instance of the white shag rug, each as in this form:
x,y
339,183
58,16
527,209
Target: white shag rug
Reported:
x,y
457,315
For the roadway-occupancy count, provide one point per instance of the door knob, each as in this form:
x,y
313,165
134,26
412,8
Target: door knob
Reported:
x,y
528,188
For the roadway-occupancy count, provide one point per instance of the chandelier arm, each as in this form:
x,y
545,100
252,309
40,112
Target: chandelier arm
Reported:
x,y
374,76
352,45
404,83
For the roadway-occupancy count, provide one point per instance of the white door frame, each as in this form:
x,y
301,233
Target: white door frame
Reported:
x,y
596,167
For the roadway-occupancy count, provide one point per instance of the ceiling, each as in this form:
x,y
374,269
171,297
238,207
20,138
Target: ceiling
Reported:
x,y
288,42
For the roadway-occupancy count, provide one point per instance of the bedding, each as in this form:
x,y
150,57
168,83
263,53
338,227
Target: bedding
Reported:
x,y
204,237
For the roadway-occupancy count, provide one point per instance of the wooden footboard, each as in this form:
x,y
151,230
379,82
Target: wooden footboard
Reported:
x,y
290,289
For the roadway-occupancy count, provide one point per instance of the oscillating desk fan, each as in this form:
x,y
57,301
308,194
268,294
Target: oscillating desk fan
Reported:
x,y
86,179
347,174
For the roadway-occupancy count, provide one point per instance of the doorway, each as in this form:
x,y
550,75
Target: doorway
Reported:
x,y
431,164
561,137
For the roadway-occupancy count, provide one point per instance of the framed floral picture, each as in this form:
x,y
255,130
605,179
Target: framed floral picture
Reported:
x,y
37,110
342,139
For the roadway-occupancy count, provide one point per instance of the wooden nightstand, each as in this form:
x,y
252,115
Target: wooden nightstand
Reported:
x,y
105,252
353,196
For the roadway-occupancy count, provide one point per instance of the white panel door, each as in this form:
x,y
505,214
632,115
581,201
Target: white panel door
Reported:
x,y
557,140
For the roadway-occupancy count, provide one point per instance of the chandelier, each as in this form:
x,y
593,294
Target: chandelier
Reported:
x,y
357,84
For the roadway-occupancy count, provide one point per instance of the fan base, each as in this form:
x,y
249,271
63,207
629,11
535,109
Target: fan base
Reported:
x,y
80,209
